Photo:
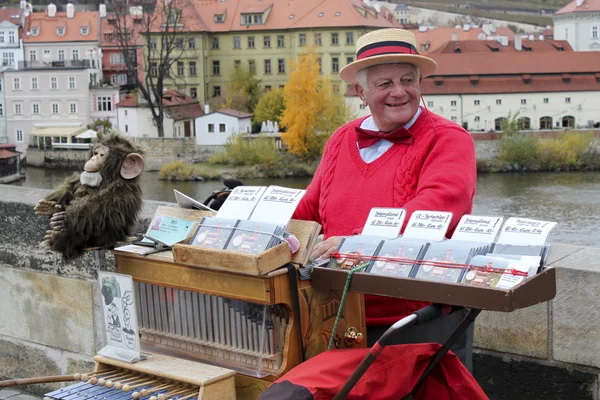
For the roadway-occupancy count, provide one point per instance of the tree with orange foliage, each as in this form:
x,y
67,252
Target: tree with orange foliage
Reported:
x,y
312,110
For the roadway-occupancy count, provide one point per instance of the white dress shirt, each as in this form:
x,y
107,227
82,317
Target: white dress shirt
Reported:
x,y
373,152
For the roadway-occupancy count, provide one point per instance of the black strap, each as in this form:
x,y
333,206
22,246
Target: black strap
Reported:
x,y
296,303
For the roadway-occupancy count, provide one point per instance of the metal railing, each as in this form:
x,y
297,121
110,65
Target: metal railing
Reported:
x,y
63,64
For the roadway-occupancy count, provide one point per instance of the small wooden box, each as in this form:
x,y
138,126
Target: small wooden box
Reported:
x,y
251,264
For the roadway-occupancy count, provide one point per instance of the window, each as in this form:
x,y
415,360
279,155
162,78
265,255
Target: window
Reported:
x,y
179,43
180,68
453,103
567,100
192,68
215,43
1,36
476,102
55,108
114,58
267,66
216,67
320,65
335,38
153,69
61,55
152,44
1,109
280,41
216,91
54,83
595,32
193,93
219,18
267,88
252,66
18,110
453,118
349,60
250,42
75,54
126,127
11,37
192,43
17,83
72,108
349,37
430,104
1,85
477,119
498,102
19,135
237,63
104,103
8,58
34,83
84,30
236,42
546,100
71,82
32,55
60,31
267,41
125,112
211,128
114,79
317,39
335,64
362,106
35,31
281,66
523,101
222,128
302,39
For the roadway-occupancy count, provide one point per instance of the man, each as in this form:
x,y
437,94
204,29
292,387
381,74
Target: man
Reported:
x,y
401,156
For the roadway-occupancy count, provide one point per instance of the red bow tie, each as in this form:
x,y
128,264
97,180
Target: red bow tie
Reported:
x,y
366,138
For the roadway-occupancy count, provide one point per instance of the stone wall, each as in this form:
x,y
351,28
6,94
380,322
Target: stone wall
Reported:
x,y
162,151
50,316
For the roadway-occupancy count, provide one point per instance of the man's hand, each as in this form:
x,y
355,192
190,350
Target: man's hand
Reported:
x,y
47,207
326,247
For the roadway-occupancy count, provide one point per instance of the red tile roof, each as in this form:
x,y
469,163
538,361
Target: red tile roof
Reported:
x,y
107,30
199,15
514,84
8,154
48,26
436,37
177,105
516,63
492,46
184,111
586,6
236,113
129,100
7,14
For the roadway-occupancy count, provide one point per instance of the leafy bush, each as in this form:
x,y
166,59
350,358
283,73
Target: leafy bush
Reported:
x,y
519,150
180,171
564,152
245,152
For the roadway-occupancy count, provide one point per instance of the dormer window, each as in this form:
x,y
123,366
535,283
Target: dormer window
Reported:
x,y
35,31
219,18
337,14
320,14
291,16
60,31
85,30
252,19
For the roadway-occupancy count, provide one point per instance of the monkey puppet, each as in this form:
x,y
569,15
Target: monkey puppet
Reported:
x,y
99,206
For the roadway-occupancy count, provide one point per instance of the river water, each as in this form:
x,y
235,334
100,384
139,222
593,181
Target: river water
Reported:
x,y
572,199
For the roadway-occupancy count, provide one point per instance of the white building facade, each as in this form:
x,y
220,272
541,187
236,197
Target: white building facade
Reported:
x,y
215,128
579,23
11,55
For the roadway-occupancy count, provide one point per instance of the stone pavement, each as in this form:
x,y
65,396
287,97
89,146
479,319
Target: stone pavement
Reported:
x,y
13,394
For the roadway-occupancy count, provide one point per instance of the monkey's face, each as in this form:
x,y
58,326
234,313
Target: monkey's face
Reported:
x,y
99,156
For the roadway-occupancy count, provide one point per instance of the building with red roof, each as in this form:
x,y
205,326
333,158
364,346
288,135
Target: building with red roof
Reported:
x,y
579,23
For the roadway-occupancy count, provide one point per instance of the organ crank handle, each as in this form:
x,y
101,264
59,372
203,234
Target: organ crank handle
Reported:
x,y
352,336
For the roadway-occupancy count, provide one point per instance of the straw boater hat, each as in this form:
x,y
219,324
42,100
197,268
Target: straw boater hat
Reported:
x,y
387,46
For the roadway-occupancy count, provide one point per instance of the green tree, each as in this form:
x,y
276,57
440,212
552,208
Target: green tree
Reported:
x,y
269,107
510,125
104,123
312,109
243,90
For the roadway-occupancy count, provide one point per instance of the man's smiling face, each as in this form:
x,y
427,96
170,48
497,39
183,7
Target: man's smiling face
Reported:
x,y
393,93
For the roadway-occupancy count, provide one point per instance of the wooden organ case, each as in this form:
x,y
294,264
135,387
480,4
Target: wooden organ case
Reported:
x,y
233,310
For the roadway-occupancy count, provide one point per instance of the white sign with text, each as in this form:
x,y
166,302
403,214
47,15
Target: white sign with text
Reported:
x,y
428,225
524,231
475,228
384,222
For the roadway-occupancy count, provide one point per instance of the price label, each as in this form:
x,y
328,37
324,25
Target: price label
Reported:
x,y
429,225
476,228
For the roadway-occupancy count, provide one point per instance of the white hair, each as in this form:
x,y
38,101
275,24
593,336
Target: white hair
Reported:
x,y
361,76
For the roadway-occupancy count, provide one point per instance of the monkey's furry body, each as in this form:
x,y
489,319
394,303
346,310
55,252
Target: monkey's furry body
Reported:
x,y
98,215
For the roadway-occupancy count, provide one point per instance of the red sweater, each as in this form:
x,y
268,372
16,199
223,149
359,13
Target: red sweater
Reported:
x,y
436,172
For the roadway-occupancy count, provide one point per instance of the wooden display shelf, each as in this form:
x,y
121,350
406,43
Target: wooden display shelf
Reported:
x,y
538,289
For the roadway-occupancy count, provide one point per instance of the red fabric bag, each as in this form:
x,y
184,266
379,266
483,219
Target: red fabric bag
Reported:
x,y
391,376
